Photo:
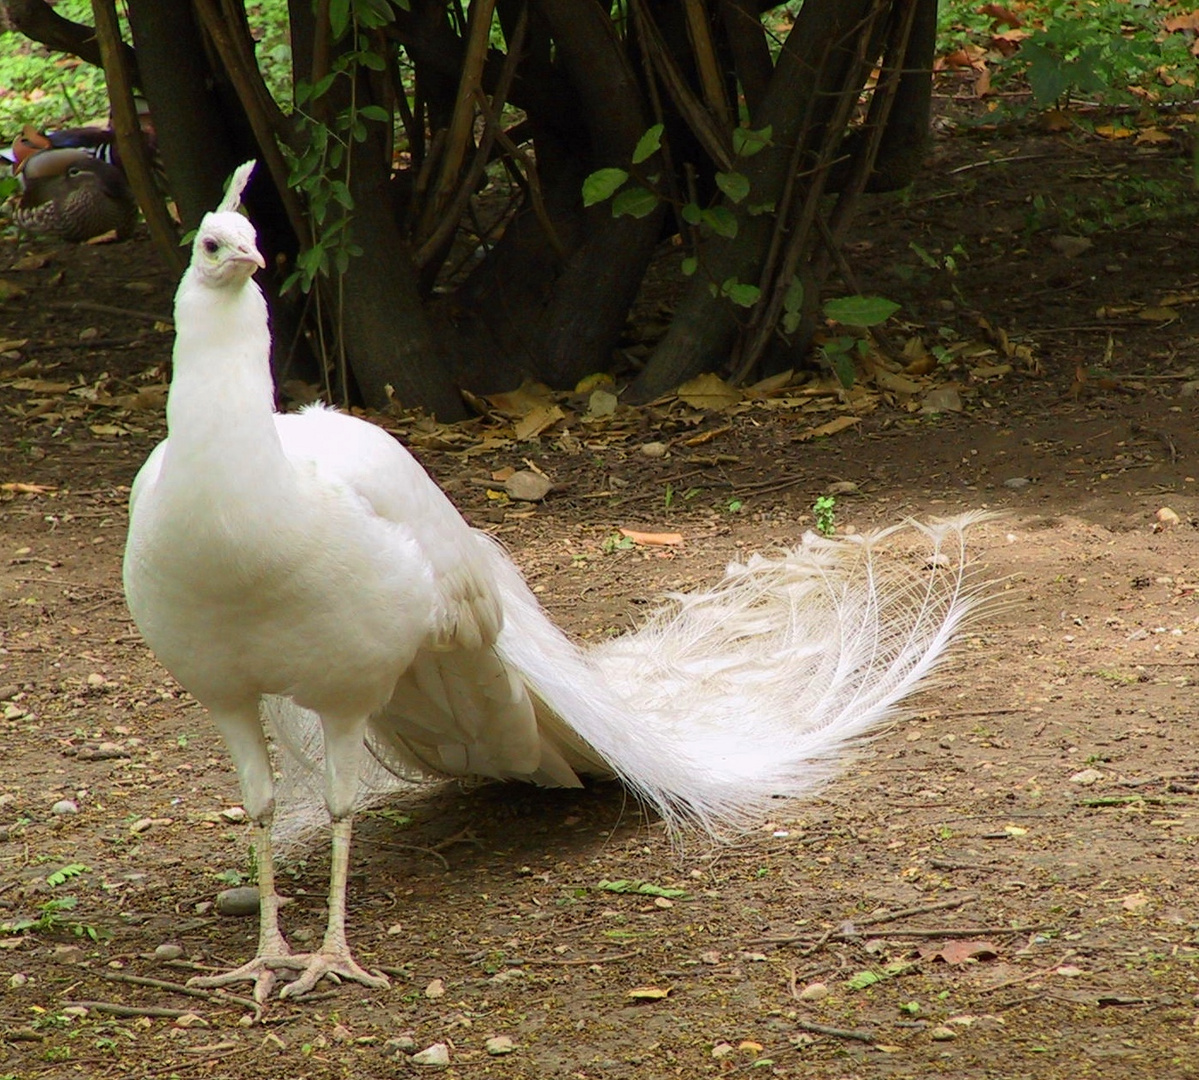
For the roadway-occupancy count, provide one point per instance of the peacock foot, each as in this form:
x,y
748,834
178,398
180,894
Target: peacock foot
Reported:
x,y
262,971
338,964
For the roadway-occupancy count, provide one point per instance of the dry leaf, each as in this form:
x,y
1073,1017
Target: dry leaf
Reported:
x,y
958,952
40,386
653,539
648,993
708,392
831,428
536,421
896,384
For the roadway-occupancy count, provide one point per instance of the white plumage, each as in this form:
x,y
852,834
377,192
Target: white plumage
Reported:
x,y
308,563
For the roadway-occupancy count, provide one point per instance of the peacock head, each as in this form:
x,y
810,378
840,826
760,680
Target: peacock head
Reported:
x,y
225,252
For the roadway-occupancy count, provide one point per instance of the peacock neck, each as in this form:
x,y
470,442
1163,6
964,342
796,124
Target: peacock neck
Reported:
x,y
220,409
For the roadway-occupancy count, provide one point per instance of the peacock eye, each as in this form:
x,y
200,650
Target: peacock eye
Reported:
x,y
211,246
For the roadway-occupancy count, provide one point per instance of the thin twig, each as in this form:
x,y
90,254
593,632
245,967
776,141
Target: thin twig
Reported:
x,y
218,997
835,1032
128,1010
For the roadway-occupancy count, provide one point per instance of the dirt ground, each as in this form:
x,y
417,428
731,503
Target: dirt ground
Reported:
x,y
1004,886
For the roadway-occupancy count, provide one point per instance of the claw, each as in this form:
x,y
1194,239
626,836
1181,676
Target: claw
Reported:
x,y
334,963
262,971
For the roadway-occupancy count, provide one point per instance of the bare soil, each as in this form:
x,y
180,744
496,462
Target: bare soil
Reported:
x,y
1042,807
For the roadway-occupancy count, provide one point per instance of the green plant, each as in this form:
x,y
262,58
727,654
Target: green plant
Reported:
x,y
823,509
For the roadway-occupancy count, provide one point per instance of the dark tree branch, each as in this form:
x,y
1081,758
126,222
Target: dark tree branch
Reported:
x,y
135,156
39,22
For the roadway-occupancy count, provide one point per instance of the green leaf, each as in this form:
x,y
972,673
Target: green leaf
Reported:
x,y
860,310
862,980
747,142
692,213
793,298
740,293
837,353
721,221
602,184
635,202
374,112
641,888
734,184
758,209
65,873
648,144
339,18
689,265
793,306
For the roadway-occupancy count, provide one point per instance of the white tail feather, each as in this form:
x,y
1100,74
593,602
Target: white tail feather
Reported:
x,y
726,699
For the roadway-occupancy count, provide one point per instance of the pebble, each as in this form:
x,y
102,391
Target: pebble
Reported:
x,y
653,449
435,989
18,980
1017,482
527,486
239,902
9,691
235,815
67,954
437,1055
65,806
814,992
168,951
1087,777
943,1034
498,1045
401,1044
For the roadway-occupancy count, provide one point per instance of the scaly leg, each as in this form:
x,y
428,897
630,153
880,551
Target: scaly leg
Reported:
x,y
273,951
333,958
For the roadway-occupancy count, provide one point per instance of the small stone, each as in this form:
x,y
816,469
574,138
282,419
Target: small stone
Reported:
x,y
1017,482
653,449
65,806
1167,518
271,1041
435,989
942,1034
189,1020
941,399
96,679
141,825
1071,246
235,815
67,954
498,1045
722,1049
816,991
239,902
18,980
663,902
168,951
527,486
75,1012
9,691
401,1044
842,487
437,1056
1087,777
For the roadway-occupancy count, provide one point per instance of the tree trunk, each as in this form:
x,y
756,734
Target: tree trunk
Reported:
x,y
814,71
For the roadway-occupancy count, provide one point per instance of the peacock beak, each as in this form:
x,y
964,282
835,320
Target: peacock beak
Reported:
x,y
249,253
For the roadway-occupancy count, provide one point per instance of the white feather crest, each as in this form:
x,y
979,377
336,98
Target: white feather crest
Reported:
x,y
237,184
